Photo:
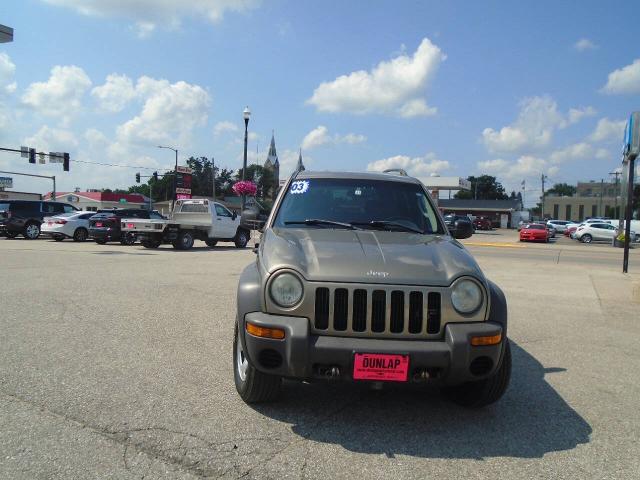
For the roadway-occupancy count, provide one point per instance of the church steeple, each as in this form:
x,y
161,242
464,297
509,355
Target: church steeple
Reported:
x,y
273,164
300,165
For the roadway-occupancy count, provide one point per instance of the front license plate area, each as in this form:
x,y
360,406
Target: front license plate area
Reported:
x,y
381,367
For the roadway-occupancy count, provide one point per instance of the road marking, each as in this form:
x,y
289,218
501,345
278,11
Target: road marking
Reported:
x,y
487,244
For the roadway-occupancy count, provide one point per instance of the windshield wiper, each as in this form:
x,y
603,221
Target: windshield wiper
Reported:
x,y
387,224
320,221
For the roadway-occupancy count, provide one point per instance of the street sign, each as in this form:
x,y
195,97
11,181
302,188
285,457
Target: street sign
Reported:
x,y
24,152
6,182
56,157
182,169
183,196
123,200
184,191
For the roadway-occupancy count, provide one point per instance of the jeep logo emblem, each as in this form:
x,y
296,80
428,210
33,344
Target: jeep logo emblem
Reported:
x,y
372,273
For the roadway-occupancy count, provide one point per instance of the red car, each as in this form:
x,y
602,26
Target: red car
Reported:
x,y
481,223
534,232
569,230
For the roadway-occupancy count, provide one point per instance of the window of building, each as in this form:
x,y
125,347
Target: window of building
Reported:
x,y
580,212
594,210
556,210
568,212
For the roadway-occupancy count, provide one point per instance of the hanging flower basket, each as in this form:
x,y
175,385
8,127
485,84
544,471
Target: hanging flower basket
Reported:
x,y
245,187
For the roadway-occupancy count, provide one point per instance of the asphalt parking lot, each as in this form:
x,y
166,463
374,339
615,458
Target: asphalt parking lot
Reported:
x,y
115,362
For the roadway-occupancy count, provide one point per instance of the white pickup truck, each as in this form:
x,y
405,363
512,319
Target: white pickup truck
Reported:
x,y
191,220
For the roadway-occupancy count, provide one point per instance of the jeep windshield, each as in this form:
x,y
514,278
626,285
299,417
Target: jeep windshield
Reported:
x,y
357,203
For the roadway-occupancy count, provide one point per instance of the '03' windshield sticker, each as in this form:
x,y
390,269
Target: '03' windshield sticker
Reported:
x,y
301,186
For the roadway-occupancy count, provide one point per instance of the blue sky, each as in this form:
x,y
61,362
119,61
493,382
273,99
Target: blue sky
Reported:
x,y
512,89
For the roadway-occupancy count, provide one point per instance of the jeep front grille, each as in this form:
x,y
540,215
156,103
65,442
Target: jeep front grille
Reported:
x,y
375,311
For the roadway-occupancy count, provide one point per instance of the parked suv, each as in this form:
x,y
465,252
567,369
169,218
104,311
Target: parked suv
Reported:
x,y
105,226
24,217
451,219
357,278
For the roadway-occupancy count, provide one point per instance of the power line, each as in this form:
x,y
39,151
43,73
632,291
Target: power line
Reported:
x,y
115,165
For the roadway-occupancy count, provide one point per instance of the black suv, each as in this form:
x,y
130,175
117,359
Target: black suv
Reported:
x,y
104,226
25,216
451,221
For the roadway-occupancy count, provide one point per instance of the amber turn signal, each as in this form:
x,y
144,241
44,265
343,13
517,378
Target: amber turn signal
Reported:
x,y
492,340
264,332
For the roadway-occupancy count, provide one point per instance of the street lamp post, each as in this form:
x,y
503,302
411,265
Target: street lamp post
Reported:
x,y
175,177
246,114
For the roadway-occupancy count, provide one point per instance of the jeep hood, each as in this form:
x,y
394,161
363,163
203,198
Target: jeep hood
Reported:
x,y
367,256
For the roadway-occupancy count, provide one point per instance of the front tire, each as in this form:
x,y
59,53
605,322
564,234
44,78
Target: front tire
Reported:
x,y
586,238
252,385
241,239
484,392
31,231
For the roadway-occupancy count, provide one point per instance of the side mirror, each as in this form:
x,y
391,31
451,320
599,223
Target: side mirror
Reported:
x,y
462,229
234,215
256,247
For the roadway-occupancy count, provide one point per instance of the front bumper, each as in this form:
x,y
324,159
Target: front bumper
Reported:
x,y
303,355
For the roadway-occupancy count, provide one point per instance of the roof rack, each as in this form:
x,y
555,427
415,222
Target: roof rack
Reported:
x,y
399,171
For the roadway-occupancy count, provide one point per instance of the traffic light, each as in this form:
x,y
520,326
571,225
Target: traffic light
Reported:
x,y
65,162
155,176
32,155
137,178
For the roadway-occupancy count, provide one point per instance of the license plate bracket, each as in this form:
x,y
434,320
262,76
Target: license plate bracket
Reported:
x,y
381,367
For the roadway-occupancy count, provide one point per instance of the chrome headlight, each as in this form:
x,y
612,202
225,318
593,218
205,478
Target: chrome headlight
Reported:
x,y
286,290
466,296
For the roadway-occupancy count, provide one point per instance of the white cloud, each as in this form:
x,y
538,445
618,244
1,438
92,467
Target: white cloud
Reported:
x,y
577,151
52,139
223,127
534,128
608,130
320,136
61,94
115,94
149,14
584,44
624,80
419,167
603,154
7,73
577,114
526,166
95,138
170,113
395,86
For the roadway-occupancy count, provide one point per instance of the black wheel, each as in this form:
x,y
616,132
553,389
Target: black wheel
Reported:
x,y
211,243
252,385
151,243
31,231
12,234
58,238
586,238
241,239
185,241
100,241
80,235
128,238
484,392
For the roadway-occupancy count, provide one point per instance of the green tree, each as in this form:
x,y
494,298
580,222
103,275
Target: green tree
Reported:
x,y
484,187
562,190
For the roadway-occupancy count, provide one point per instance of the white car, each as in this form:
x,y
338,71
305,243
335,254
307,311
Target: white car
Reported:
x,y
559,225
589,232
67,225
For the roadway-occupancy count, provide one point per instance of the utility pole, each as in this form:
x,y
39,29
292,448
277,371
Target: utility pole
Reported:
x,y
543,178
615,194
601,193
213,178
475,195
